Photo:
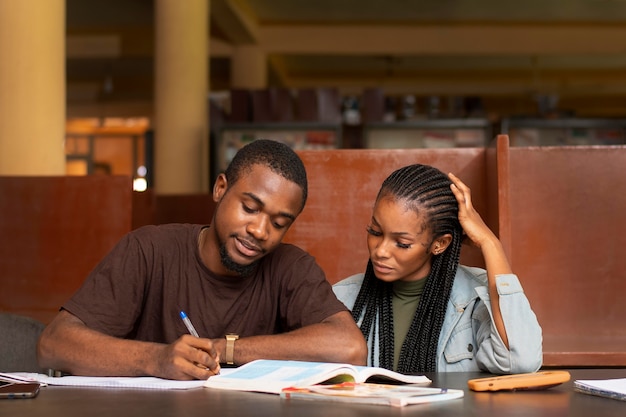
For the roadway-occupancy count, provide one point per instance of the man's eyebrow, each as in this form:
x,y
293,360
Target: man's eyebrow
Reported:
x,y
262,204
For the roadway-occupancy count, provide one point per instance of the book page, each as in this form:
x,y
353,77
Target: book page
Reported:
x,y
112,381
272,376
366,393
370,374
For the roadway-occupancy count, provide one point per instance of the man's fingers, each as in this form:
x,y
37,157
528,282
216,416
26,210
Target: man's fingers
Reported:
x,y
203,354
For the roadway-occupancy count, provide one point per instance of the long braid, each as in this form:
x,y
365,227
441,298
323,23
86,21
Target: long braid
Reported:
x,y
426,190
373,297
419,350
386,344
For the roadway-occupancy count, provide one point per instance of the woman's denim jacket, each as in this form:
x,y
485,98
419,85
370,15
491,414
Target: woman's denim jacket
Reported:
x,y
469,340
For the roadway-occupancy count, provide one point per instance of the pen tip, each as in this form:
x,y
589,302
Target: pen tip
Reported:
x,y
182,315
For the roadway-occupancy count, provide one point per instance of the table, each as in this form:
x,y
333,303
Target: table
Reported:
x,y
80,402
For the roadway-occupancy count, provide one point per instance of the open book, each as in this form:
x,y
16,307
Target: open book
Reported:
x,y
272,376
369,393
608,388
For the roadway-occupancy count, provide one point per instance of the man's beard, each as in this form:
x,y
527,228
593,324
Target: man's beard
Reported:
x,y
239,269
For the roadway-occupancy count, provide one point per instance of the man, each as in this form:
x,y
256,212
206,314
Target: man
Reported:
x,y
232,277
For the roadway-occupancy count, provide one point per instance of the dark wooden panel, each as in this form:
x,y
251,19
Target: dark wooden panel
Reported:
x,y
373,104
240,106
282,105
568,235
144,208
306,106
261,106
342,187
184,208
54,230
318,105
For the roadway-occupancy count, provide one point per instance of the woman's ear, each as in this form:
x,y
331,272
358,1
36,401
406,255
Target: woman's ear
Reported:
x,y
440,244
221,184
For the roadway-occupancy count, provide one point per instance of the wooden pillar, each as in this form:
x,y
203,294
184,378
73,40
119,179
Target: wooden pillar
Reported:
x,y
181,97
32,87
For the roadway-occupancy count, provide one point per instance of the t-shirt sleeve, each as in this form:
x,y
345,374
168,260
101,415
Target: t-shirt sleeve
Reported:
x,y
110,299
306,297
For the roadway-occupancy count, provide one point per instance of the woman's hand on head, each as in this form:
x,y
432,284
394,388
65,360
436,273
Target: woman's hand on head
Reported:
x,y
473,225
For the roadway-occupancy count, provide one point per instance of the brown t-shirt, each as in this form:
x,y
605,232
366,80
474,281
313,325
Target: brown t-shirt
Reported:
x,y
154,272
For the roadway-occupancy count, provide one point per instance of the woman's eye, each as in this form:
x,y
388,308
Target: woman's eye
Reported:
x,y
403,245
373,232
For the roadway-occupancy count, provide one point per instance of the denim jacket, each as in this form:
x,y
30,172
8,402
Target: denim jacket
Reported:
x,y
469,340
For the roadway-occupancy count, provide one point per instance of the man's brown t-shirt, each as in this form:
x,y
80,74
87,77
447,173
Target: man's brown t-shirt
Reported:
x,y
154,272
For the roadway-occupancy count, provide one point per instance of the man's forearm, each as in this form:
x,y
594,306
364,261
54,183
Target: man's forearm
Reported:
x,y
68,345
336,340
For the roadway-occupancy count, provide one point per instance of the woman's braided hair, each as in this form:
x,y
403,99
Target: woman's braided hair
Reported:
x,y
426,190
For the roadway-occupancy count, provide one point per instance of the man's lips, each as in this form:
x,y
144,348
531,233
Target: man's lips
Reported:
x,y
247,248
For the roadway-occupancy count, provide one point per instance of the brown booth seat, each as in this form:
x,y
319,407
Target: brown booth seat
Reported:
x,y
557,210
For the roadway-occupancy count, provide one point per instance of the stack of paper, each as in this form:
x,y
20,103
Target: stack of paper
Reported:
x,y
608,388
107,381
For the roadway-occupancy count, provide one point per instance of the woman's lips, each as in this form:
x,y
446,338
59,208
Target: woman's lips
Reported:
x,y
381,268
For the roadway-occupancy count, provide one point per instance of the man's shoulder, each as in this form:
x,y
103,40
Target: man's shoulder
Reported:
x,y
165,230
160,239
288,260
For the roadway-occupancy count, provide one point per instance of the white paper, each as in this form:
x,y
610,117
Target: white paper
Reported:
x,y
612,385
110,381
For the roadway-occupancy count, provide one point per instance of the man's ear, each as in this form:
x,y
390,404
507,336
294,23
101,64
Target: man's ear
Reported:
x,y
219,188
440,244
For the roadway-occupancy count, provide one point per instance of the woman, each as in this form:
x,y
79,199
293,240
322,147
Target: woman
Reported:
x,y
421,311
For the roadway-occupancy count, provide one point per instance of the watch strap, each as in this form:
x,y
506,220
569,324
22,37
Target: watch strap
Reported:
x,y
230,348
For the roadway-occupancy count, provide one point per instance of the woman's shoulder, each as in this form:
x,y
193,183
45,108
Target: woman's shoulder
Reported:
x,y
356,279
348,288
471,274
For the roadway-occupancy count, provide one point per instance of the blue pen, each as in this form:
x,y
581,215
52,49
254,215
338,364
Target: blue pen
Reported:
x,y
188,324
193,332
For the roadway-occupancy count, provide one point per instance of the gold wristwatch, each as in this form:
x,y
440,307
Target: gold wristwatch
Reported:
x,y
230,348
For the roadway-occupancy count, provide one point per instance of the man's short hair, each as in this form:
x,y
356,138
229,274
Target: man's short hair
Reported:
x,y
277,156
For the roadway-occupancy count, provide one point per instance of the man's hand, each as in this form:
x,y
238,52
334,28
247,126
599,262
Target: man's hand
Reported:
x,y
68,345
189,357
